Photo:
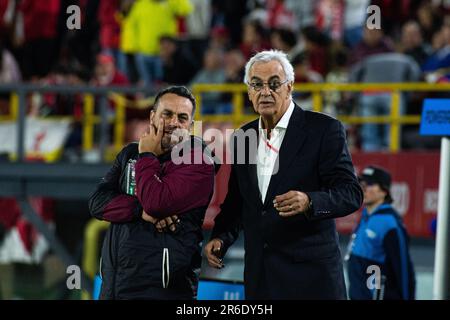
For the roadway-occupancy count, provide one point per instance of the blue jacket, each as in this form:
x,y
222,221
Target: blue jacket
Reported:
x,y
380,240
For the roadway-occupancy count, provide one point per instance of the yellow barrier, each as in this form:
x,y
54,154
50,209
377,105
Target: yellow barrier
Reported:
x,y
119,125
14,108
91,251
88,122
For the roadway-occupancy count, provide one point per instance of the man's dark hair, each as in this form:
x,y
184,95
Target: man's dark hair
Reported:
x,y
181,91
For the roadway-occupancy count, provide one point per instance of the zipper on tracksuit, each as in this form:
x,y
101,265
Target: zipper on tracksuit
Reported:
x,y
165,268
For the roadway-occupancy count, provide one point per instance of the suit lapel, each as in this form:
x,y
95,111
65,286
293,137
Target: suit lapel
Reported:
x,y
292,142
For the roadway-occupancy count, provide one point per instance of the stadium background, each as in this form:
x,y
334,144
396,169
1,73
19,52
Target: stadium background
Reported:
x,y
76,96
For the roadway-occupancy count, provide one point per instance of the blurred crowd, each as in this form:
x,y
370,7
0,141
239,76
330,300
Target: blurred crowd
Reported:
x,y
160,42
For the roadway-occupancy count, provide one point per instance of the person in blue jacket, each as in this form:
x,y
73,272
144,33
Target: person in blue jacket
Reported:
x,y
379,263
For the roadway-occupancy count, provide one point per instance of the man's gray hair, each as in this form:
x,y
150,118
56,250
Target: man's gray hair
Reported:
x,y
267,56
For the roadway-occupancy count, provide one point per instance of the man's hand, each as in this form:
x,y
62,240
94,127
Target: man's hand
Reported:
x,y
213,251
169,222
151,141
161,225
291,203
148,218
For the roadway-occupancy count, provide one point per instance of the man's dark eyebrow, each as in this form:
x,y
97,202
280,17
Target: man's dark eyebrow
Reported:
x,y
276,77
255,78
178,114
167,110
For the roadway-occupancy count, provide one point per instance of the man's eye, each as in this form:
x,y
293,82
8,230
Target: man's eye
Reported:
x,y
257,85
274,85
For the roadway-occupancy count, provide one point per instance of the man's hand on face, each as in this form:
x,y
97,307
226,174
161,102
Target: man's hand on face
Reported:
x,y
291,203
151,141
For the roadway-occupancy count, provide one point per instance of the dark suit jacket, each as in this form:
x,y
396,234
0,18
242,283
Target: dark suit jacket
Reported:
x,y
296,257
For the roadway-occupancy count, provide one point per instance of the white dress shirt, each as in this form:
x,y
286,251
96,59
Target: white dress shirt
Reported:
x,y
268,149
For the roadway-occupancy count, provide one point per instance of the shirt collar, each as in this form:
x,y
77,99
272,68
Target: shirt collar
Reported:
x,y
284,121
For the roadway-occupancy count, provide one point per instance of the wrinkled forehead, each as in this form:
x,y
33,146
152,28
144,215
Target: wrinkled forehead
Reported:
x,y
175,104
265,71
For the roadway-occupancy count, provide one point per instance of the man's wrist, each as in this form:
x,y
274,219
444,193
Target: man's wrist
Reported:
x,y
309,206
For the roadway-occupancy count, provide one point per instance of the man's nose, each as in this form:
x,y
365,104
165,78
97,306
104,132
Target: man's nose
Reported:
x,y
174,121
265,91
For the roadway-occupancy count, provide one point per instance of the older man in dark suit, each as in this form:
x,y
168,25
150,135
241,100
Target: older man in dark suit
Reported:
x,y
292,175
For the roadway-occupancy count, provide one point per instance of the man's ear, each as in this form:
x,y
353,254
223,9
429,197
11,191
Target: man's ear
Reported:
x,y
290,87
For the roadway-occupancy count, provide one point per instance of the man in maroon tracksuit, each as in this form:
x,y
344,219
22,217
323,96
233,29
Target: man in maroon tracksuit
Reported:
x,y
156,206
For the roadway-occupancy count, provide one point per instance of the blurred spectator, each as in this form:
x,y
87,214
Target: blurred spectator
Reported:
x,y
373,42
317,49
339,102
258,12
178,65
127,42
412,43
303,71
381,68
355,19
9,74
198,25
59,104
8,17
330,18
230,14
429,19
219,38
212,72
234,66
153,19
9,68
198,22
395,13
39,22
303,11
254,39
334,100
437,66
279,16
286,41
106,73
109,34
83,43
234,73
304,74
